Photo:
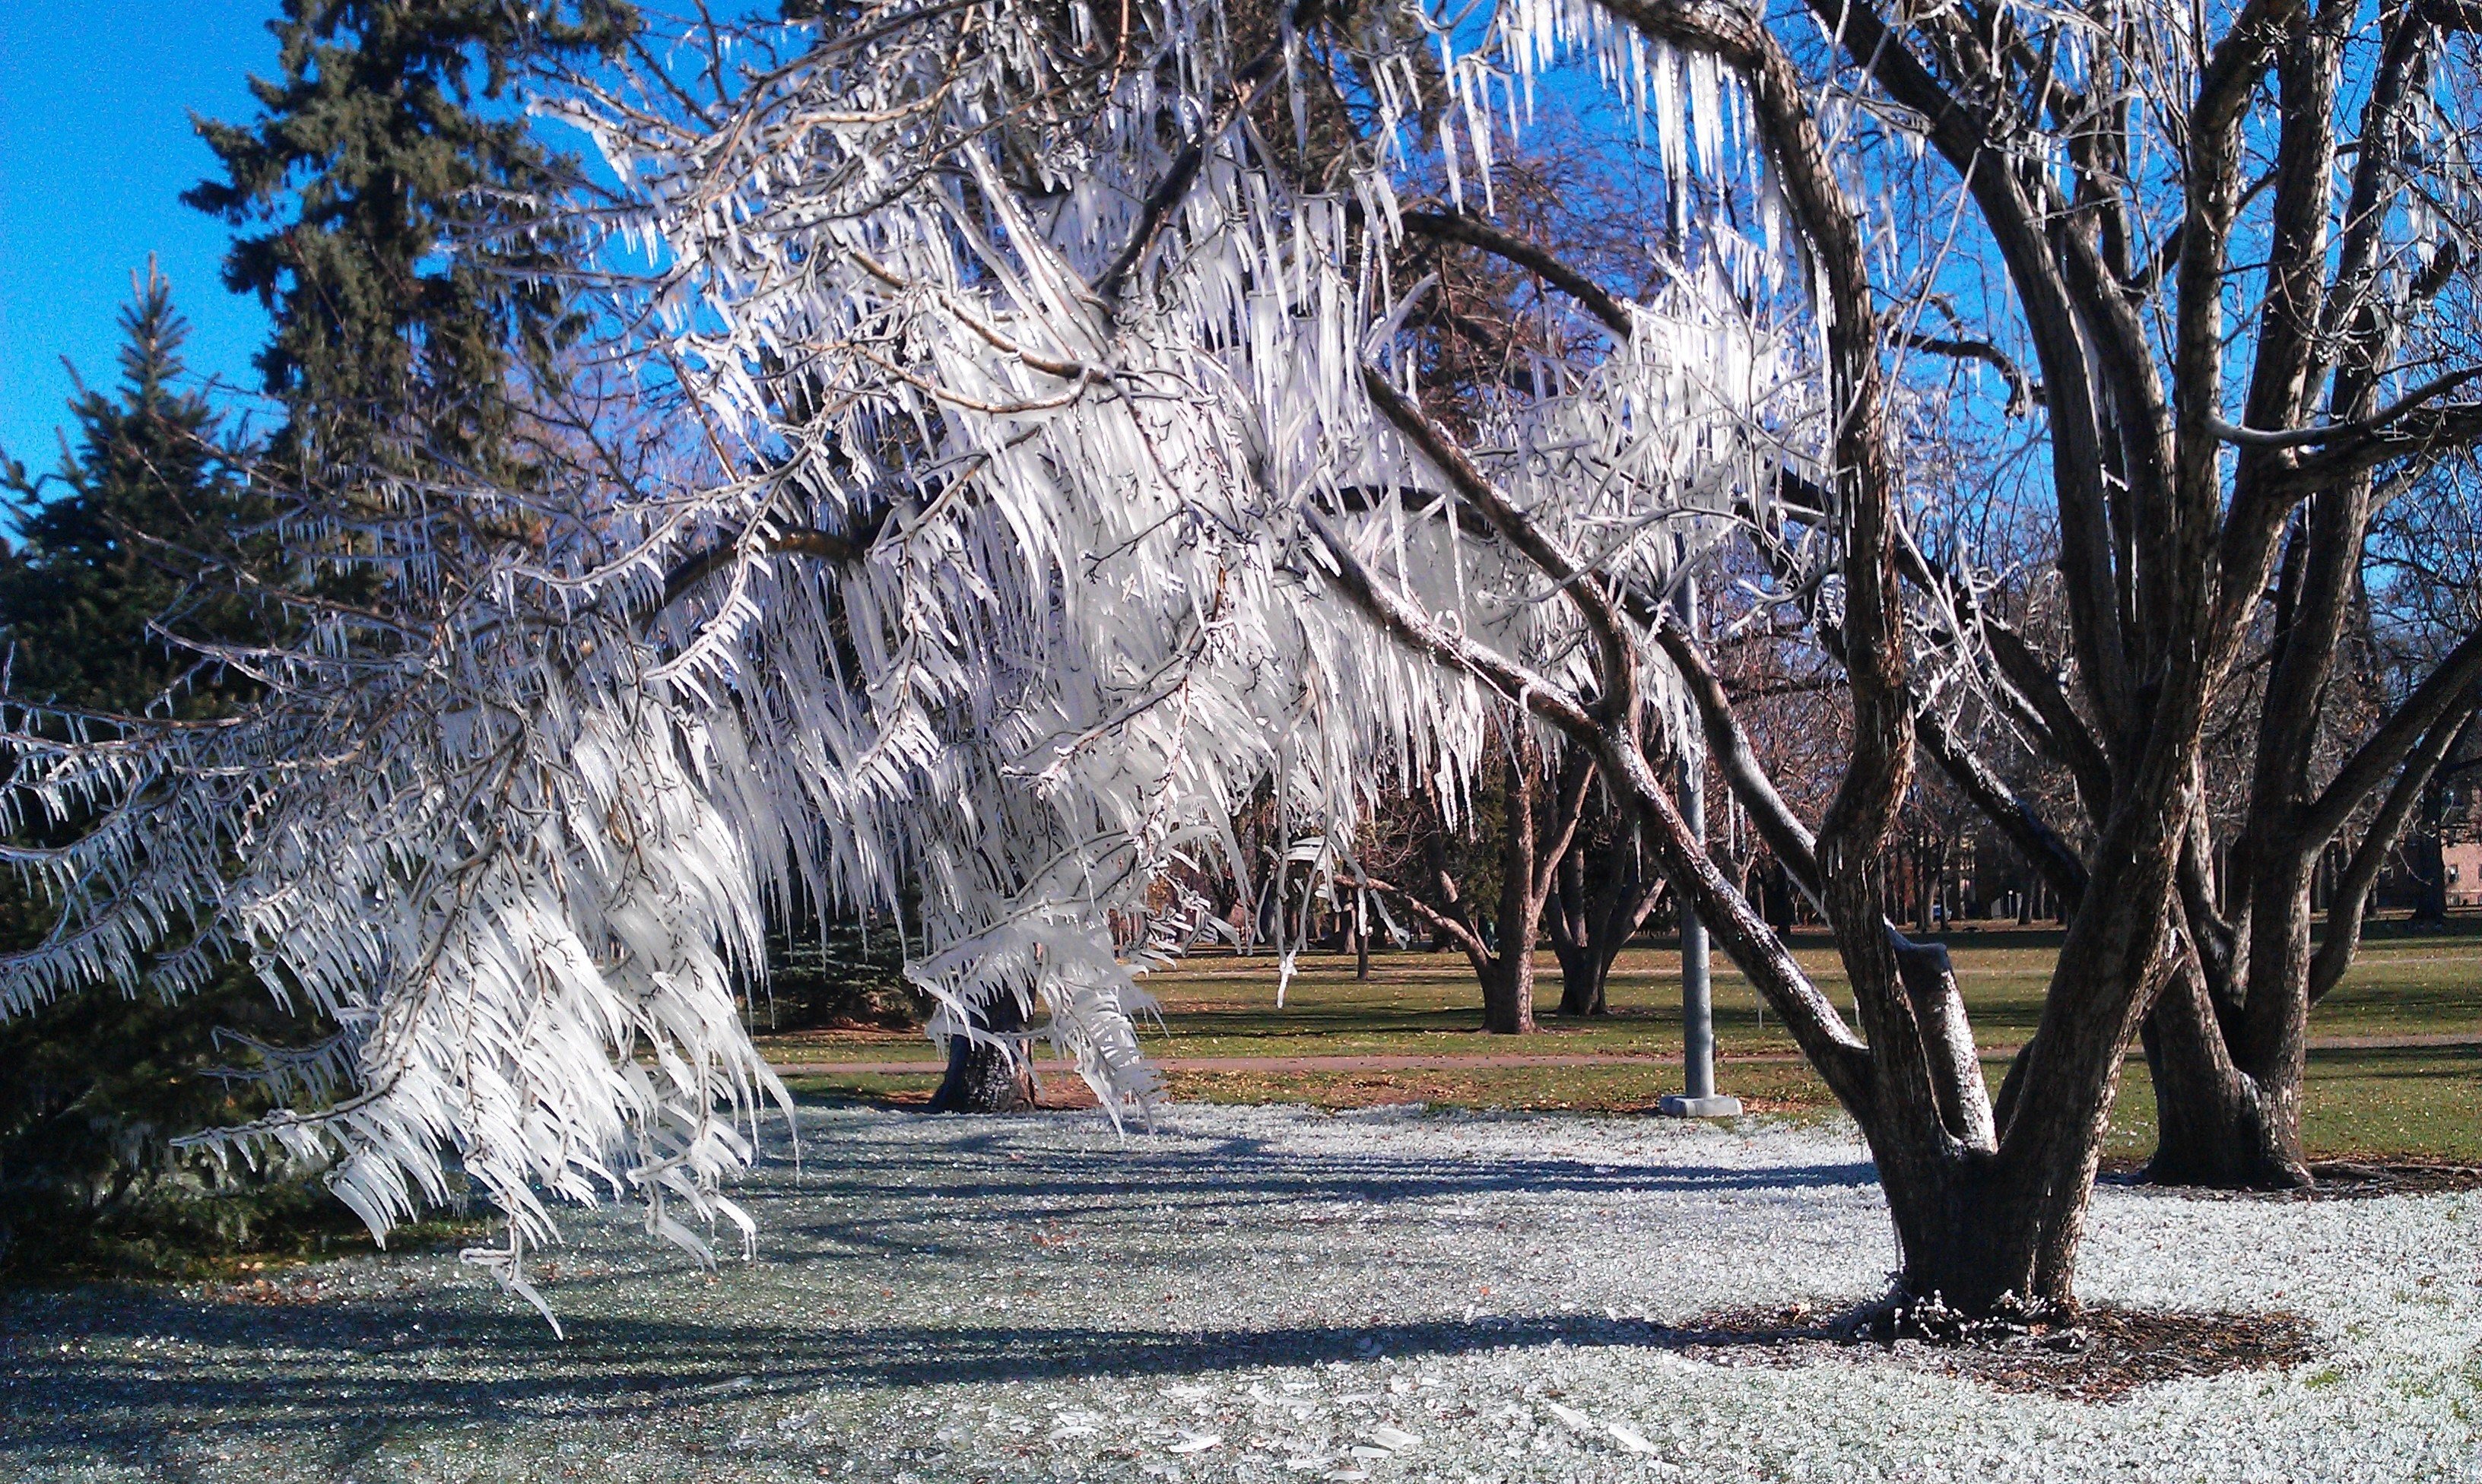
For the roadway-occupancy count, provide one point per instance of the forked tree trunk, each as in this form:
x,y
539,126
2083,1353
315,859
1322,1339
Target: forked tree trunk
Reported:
x,y
1600,901
1536,837
982,1076
2215,1123
2231,1067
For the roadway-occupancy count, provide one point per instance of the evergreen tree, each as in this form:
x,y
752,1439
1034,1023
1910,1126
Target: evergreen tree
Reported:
x,y
378,148
385,197
119,547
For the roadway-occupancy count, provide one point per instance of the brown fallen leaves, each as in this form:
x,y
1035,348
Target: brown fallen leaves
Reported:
x,y
2102,1354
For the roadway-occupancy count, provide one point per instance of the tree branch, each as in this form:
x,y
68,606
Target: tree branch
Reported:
x,y
2376,424
1474,232
2022,391
801,540
2361,871
1840,1057
2449,686
1173,189
1582,590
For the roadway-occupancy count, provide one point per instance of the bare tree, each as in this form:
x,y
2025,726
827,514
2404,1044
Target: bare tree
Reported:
x,y
1604,894
1539,815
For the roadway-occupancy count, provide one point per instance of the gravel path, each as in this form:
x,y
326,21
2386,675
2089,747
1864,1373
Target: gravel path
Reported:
x,y
1256,1293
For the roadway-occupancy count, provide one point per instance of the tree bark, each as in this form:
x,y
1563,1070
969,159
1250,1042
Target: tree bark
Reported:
x,y
983,1077
2215,1126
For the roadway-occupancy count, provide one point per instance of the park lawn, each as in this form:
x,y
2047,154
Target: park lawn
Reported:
x,y
2422,1101
2391,1104
1221,1004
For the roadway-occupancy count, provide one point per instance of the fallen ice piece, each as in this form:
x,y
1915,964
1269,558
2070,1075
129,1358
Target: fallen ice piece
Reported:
x,y
1198,1443
1368,1450
1394,1440
1070,1430
1347,1475
1305,1464
1629,1438
1571,1416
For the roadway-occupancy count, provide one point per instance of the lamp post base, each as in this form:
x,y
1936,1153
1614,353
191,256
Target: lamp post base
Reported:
x,y
1676,1104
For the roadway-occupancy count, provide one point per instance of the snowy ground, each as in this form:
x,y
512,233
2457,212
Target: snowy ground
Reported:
x,y
1258,1293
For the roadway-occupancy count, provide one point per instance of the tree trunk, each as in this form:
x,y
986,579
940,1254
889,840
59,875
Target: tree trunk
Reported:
x,y
984,1078
1570,918
2215,1125
2426,854
1508,987
1985,1237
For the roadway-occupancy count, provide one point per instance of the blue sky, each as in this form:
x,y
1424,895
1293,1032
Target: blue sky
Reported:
x,y
95,148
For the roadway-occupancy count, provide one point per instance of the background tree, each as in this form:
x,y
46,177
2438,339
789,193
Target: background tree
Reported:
x,y
391,133
125,537
1604,894
1534,817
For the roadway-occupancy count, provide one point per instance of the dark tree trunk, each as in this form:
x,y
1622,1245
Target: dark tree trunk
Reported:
x,y
1507,989
1591,927
2230,1068
984,1078
2215,1125
1503,963
1507,976
1569,918
2426,854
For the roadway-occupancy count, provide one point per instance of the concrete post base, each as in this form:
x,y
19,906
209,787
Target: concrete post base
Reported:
x,y
1681,1106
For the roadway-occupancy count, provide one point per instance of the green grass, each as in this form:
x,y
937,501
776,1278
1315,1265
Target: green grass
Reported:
x,y
2409,1104
2363,1102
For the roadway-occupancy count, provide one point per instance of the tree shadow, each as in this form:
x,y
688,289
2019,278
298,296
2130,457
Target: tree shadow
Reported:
x,y
508,1369
98,1369
1007,1180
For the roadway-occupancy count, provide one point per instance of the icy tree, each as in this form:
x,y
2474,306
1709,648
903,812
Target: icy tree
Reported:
x,y
997,453
951,498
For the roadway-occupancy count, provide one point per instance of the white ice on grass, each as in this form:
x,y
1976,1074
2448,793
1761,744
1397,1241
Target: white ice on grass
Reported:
x,y
1220,1279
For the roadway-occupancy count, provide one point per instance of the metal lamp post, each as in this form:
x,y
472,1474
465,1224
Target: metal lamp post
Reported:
x,y
1699,1098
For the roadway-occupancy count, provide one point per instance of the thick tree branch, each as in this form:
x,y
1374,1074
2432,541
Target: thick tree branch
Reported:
x,y
1584,592
2448,687
2424,431
2022,390
2375,425
1728,745
2021,228
1474,232
796,540
2361,871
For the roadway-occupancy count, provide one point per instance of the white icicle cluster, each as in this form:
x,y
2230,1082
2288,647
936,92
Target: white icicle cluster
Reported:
x,y
969,579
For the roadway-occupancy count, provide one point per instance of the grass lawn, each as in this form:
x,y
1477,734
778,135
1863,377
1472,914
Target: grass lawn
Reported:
x,y
2422,1100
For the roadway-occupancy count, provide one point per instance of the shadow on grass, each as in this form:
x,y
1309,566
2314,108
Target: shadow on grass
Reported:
x,y
610,1367
104,1367
613,1370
